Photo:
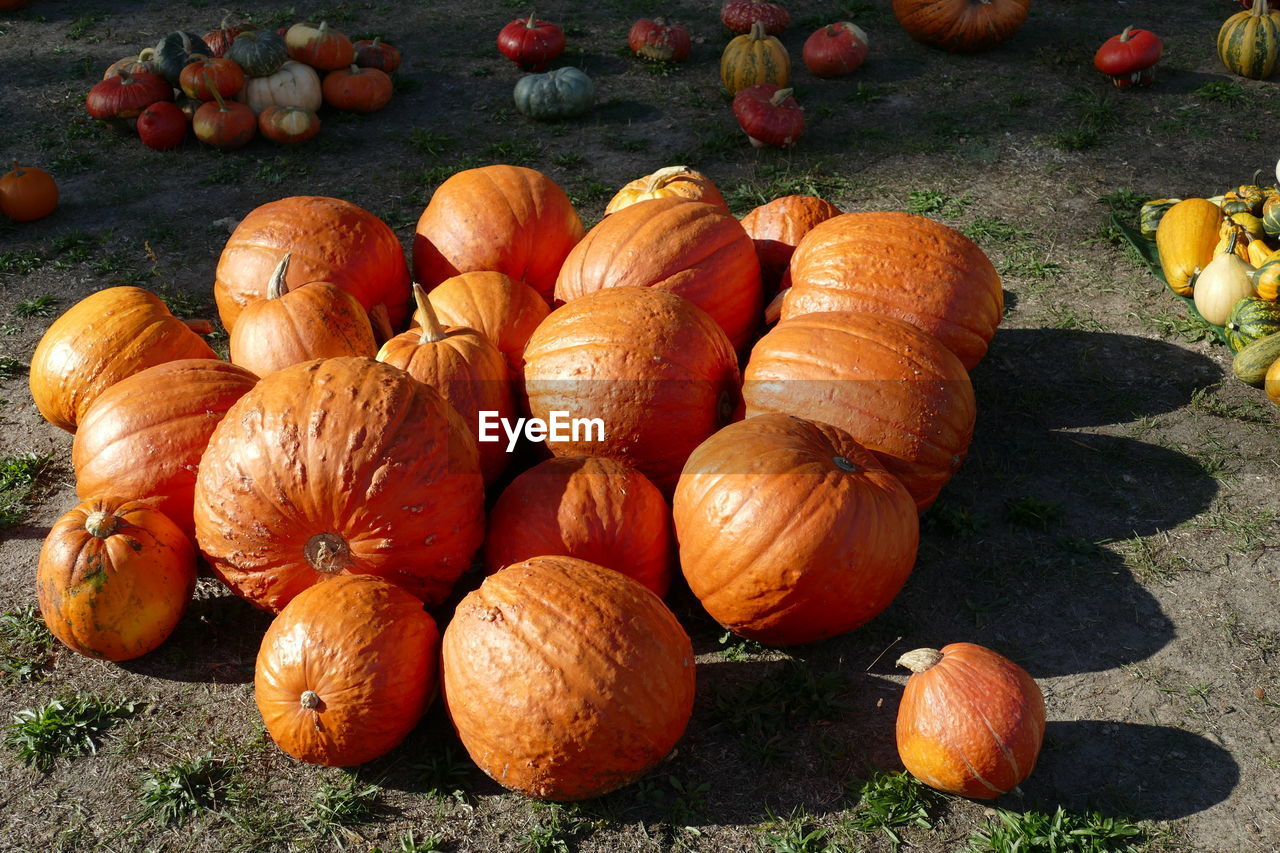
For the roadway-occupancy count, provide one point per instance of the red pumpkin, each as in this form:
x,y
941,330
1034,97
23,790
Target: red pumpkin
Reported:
x,y
27,193
288,125
739,15
971,721
202,75
222,123
221,39
1130,58
532,43
768,115
361,90
777,227
319,46
835,50
162,126
377,54
126,95
659,41
961,25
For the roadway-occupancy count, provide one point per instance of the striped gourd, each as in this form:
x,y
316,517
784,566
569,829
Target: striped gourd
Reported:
x,y
1249,42
1266,280
1151,214
1250,319
1252,195
1252,362
1271,216
754,58
1233,204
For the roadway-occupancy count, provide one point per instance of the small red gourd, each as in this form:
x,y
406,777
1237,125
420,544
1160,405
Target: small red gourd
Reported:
x,y
163,125
739,15
361,90
222,123
126,94
27,193
377,54
769,115
659,41
288,125
835,50
531,43
1130,58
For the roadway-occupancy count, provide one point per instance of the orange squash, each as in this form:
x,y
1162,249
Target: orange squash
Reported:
x,y
669,181
1185,239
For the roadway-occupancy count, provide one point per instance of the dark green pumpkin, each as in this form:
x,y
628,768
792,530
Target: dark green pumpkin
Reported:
x,y
563,93
174,52
1249,42
260,53
1250,319
1151,214
1233,204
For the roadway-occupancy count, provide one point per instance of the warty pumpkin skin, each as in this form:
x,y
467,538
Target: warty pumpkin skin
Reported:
x,y
502,309
1185,239
694,250
895,389
903,266
330,239
144,435
114,578
674,181
599,510
654,368
961,25
339,466
792,532
566,680
970,722
776,229
100,340
505,219
346,670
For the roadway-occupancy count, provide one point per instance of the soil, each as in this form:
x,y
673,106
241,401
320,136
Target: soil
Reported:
x,y
1113,529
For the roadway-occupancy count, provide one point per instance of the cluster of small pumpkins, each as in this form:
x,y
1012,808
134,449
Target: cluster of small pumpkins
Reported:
x,y
333,471
237,81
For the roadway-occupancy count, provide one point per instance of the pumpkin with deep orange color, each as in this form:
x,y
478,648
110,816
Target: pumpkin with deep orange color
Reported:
x,y
653,368
319,46
971,721
505,219
204,74
790,531
114,578
316,320
27,193
503,310
669,181
360,90
100,340
468,371
895,389
370,472
903,266
566,680
330,239
694,250
288,125
144,435
776,228
599,510
961,25
377,54
346,670
222,123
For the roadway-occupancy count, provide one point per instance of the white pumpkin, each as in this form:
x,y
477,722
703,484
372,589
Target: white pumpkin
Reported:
x,y
294,85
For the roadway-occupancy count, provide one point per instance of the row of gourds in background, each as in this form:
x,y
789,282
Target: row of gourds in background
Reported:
x,y
342,491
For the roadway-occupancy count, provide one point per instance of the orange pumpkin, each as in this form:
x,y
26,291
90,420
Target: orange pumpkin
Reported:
x,y
790,531
669,181
503,310
505,219
903,266
897,390
361,90
695,250
598,510
961,25
369,471
776,229
971,721
330,240
315,320
319,46
143,436
100,340
346,670
114,578
566,680
27,193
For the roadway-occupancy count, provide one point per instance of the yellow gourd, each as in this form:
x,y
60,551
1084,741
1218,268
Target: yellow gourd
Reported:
x,y
1223,283
1258,253
1185,239
754,58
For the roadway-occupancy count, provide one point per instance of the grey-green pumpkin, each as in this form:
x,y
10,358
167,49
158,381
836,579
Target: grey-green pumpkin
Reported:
x,y
563,93
259,52
174,52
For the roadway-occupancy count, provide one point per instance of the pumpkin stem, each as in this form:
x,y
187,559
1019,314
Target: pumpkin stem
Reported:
x,y
845,464
146,54
532,22
757,31
780,96
324,28
276,286
309,700
1125,36
17,170
328,553
920,659
217,96
432,331
101,524
656,179
125,77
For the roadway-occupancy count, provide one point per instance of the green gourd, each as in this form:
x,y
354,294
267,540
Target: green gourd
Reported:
x,y
564,93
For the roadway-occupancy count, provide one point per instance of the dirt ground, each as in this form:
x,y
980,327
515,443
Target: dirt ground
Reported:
x,y
1113,530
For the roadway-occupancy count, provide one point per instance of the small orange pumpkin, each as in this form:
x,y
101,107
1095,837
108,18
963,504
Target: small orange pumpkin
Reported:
x,y
676,181
502,309
319,46
360,90
27,193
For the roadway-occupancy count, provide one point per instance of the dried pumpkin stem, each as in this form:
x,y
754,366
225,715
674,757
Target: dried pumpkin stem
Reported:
x,y
101,524
780,96
276,286
432,331
920,659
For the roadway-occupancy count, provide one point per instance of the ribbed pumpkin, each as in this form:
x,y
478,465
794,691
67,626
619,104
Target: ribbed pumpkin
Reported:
x,y
1185,240
1267,279
790,531
319,46
669,181
895,389
902,266
695,250
1251,318
754,58
330,239
114,578
505,219
961,25
465,367
100,340
339,466
1249,42
776,229
144,435
654,368
503,310
599,510
566,680
314,320
346,670
970,722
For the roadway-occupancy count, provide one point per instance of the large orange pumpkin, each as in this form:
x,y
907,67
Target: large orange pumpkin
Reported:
x,y
776,229
790,531
598,510
897,390
971,721
961,25
502,309
346,670
566,680
669,181
904,266
143,436
331,240
695,250
339,466
114,578
505,219
658,374
100,340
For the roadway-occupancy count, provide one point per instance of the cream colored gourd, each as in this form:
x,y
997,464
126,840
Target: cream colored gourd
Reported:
x,y
1221,284
294,85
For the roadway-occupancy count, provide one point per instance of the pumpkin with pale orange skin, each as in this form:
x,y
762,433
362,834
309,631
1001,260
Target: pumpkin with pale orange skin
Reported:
x,y
669,181
502,309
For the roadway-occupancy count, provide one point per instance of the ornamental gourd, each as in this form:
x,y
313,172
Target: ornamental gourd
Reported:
x,y
769,116
126,94
377,54
754,58
563,93
203,74
288,125
1130,58
961,25
27,193
260,54
221,39
676,181
1222,283
1185,240
222,123
174,52
659,41
835,50
502,309
1251,318
1249,42
739,16
163,126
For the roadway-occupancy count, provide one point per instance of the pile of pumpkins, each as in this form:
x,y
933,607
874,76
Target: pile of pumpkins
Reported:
x,y
238,81
335,470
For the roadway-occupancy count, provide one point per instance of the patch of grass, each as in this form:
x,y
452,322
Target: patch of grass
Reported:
x,y
1250,528
444,771
1033,513
180,791
1064,317
953,520
429,143
63,727
633,144
36,306
272,173
1221,91
992,229
866,93
682,802
1188,327
774,182
925,202
411,843
765,713
19,263
569,160
1151,565
20,480
1061,832
1251,411
67,162
435,175
81,25
735,648
1025,264
335,806
515,152
74,247
889,802
229,171
590,192
661,69
796,834
11,367
1076,139
1124,202
552,834
24,627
